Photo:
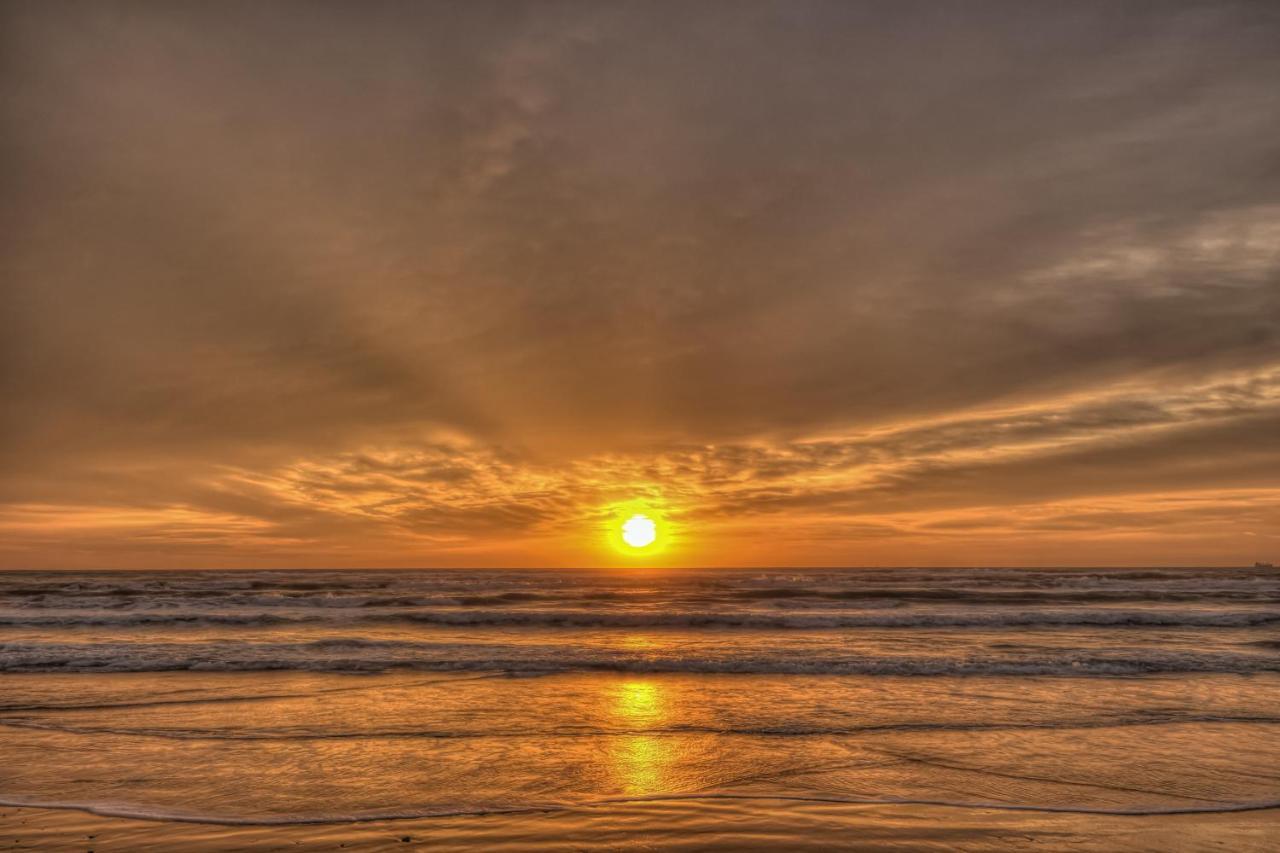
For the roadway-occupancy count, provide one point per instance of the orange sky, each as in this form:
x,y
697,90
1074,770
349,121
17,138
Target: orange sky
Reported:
x,y
430,284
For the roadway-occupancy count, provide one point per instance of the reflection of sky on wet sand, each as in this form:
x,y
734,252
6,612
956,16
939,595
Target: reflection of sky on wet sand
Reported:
x,y
317,746
641,763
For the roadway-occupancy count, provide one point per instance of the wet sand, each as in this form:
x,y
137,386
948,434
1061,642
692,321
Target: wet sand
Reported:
x,y
762,824
279,761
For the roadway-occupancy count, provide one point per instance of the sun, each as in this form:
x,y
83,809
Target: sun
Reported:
x,y
639,531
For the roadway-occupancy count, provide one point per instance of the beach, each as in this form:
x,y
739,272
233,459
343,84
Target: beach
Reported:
x,y
526,425
675,826
1099,710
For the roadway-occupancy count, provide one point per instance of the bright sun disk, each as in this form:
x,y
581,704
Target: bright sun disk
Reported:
x,y
639,531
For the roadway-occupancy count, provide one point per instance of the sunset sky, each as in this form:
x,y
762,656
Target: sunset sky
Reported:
x,y
415,284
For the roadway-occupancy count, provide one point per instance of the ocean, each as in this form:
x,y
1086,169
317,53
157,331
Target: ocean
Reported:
x,y
802,707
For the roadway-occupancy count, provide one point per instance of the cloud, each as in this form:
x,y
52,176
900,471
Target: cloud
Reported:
x,y
1119,466
400,276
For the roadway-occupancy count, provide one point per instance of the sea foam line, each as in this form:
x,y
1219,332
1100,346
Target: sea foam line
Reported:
x,y
660,731
811,620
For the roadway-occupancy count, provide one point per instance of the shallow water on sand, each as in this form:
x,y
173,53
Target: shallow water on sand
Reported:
x,y
295,748
1043,703
668,825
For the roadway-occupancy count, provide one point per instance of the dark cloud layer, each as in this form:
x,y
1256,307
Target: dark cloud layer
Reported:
x,y
420,283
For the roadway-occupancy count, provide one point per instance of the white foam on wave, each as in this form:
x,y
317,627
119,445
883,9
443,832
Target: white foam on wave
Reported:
x,y
726,618
358,655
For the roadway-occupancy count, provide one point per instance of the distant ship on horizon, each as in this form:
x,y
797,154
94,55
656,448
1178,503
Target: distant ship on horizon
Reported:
x,y
1264,565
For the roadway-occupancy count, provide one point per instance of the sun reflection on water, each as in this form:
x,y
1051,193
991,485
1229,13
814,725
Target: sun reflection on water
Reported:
x,y
641,762
640,643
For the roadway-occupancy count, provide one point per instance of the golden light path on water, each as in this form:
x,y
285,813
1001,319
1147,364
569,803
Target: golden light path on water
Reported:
x,y
641,762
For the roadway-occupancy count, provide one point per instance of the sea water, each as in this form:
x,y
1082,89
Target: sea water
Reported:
x,y
296,697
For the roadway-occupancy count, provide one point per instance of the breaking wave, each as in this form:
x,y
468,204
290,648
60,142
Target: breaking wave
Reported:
x,y
725,618
357,655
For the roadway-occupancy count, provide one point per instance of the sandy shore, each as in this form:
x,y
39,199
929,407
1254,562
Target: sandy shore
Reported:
x,y
679,825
